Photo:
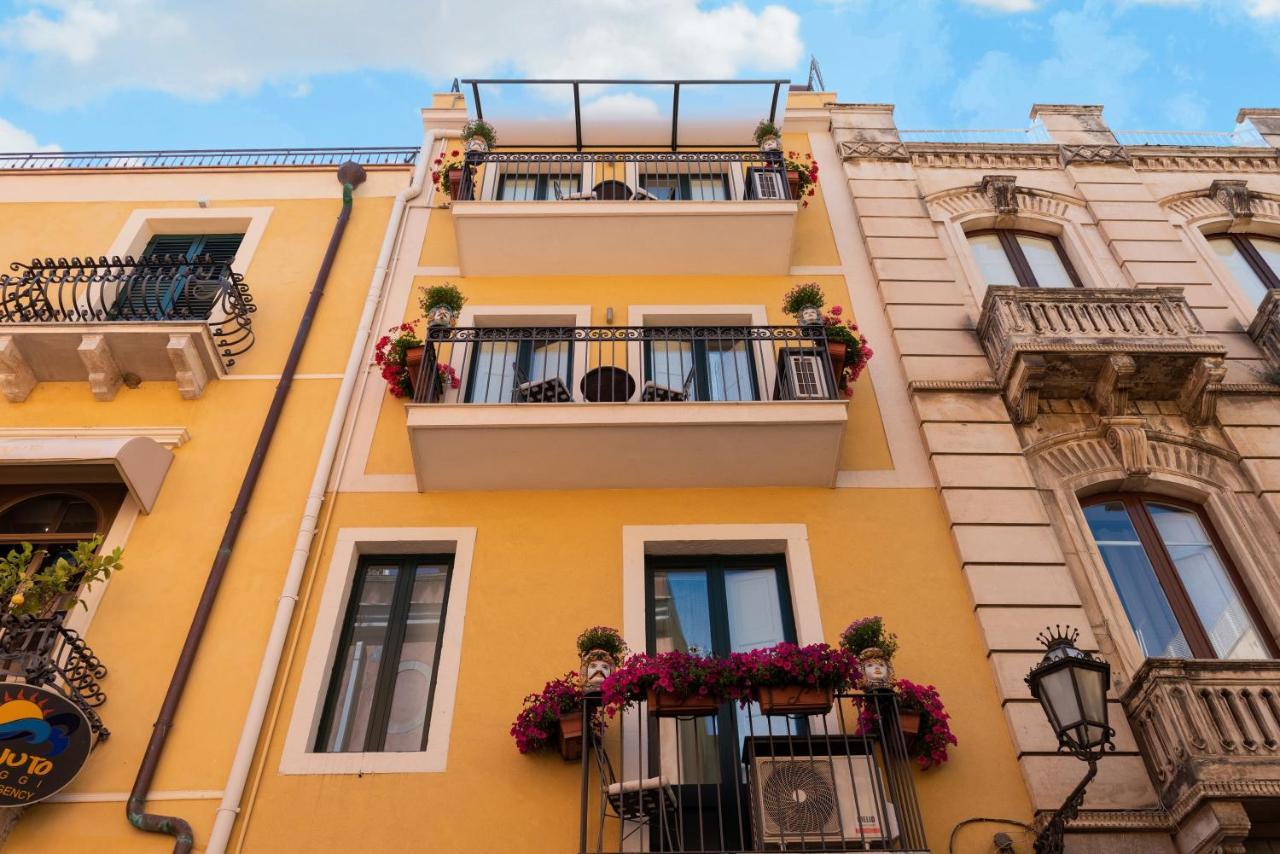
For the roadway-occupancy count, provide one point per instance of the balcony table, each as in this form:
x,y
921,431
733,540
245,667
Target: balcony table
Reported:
x,y
607,384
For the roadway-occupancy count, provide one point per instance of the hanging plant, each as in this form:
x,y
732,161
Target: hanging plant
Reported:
x,y
392,354
929,747
538,725
802,173
848,347
446,173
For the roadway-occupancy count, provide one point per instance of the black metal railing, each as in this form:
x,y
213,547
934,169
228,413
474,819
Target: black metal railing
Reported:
x,y
735,780
150,289
42,651
209,158
625,364
701,176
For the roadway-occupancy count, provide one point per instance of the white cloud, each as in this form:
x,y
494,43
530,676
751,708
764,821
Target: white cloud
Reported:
x,y
13,138
1263,8
70,51
1005,5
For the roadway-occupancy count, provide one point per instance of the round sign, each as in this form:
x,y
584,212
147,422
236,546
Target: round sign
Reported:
x,y
44,742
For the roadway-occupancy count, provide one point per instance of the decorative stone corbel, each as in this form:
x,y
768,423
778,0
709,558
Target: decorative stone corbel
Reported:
x,y
104,375
1234,196
1128,438
1199,397
1025,379
1002,192
16,378
1111,391
188,369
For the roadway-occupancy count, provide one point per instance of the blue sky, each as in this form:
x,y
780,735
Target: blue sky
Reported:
x,y
118,74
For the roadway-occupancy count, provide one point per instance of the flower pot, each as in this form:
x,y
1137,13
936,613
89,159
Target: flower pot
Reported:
x,y
441,317
477,143
809,317
770,143
795,700
909,723
596,665
793,183
571,736
455,182
876,670
838,351
413,363
663,705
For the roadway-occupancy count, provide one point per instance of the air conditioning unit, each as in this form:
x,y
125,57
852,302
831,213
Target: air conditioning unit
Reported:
x,y
768,184
801,802
804,373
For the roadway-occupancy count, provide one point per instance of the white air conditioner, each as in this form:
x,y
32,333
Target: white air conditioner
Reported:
x,y
809,375
768,184
805,801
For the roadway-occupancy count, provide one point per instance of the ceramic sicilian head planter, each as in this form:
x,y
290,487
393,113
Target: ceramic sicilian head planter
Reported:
x,y
767,136
867,639
600,651
441,304
478,136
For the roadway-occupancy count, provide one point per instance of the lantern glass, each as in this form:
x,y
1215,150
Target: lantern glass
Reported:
x,y
1058,696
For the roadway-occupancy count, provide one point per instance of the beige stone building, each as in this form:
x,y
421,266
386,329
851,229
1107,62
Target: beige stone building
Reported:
x,y
1089,329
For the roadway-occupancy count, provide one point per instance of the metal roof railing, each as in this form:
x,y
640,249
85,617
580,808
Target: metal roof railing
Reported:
x,y
1244,137
1036,134
209,158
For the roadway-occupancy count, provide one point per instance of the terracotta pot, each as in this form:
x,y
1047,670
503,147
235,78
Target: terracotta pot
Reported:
x,y
795,700
571,736
455,182
838,352
413,363
909,723
662,705
793,182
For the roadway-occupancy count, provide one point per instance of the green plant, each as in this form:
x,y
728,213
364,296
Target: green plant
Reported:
x,y
603,638
441,168
446,295
867,633
766,129
481,129
802,296
31,593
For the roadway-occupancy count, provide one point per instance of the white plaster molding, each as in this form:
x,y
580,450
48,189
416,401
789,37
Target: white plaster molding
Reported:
x,y
170,437
104,374
298,756
145,223
16,377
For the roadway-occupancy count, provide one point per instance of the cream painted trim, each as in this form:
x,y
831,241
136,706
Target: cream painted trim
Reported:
x,y
817,271
298,758
144,223
888,379
121,797
273,377
437,271
169,437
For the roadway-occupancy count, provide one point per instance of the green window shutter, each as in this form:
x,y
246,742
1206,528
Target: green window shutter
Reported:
x,y
172,244
168,293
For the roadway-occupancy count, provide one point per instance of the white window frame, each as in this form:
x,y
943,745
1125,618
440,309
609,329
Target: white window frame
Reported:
x,y
700,315
300,756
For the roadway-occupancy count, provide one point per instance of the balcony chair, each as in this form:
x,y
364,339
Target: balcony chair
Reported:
x,y
655,391
560,196
640,801
548,390
612,191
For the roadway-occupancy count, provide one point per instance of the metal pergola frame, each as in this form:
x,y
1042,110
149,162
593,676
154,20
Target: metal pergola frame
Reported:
x,y
778,89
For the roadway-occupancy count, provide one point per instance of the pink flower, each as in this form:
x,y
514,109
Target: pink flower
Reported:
x,y
837,310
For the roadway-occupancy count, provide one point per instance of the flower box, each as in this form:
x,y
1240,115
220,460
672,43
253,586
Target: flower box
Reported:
x,y
795,700
571,736
664,705
413,364
909,723
793,183
455,181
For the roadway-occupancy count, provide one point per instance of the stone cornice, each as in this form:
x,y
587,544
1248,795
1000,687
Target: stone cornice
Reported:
x,y
964,155
169,437
1189,159
975,386
1095,821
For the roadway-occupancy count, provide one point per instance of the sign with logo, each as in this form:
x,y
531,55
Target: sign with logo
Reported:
x,y
44,742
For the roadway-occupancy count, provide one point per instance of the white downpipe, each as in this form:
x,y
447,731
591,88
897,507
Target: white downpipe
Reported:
x,y
225,819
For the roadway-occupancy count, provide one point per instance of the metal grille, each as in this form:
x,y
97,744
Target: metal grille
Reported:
x,y
42,651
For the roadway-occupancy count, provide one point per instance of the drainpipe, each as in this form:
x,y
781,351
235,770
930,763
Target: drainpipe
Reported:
x,y
351,175
242,764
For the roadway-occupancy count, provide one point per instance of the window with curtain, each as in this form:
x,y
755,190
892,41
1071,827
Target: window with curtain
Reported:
x,y
1179,591
1252,260
1009,257
384,673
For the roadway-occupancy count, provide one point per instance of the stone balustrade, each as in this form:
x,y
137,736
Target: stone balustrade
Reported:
x,y
1108,345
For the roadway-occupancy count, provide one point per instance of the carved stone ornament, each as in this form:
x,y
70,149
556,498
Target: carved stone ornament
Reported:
x,y
1234,196
871,150
1002,192
1128,438
1094,154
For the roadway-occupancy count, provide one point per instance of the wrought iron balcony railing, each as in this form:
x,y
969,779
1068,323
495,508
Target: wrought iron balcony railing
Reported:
x,y
42,651
701,176
626,364
150,289
1108,344
734,780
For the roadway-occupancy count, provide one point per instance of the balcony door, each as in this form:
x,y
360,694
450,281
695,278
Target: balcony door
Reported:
x,y
716,364
173,289
504,362
718,605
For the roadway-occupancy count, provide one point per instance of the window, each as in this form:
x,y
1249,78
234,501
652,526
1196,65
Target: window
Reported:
x,y
384,675
537,188
520,365
176,288
715,363
1254,262
1008,257
698,187
1182,597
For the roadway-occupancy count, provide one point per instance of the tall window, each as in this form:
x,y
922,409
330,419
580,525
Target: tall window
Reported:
x,y
175,289
517,187
1254,262
698,186
715,364
1182,597
384,674
1008,257
511,364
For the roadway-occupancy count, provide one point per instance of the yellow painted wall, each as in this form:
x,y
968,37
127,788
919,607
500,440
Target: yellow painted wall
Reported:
x,y
146,609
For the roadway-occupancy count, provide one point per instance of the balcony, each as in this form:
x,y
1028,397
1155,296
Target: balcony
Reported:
x,y
121,321
735,780
1109,345
624,213
640,406
41,651
1209,730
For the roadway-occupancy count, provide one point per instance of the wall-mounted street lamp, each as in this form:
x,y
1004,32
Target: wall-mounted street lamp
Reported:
x,y
1071,686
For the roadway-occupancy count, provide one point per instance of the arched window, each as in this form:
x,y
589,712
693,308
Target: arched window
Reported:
x,y
1181,594
54,518
1254,262
1009,257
